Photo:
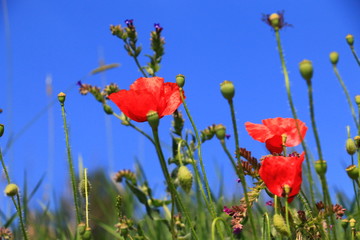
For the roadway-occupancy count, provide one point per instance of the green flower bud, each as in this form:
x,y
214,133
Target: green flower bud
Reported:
x,y
306,70
220,131
357,141
280,225
353,172
352,222
357,99
227,89
61,97
81,228
334,57
108,109
185,178
153,119
2,129
350,39
87,234
344,223
320,167
180,80
274,20
350,146
11,190
83,189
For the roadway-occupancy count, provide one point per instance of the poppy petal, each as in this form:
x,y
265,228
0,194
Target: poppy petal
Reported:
x,y
258,132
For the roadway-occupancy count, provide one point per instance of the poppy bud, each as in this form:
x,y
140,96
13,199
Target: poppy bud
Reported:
x,y
350,39
350,146
274,20
227,89
87,234
82,187
357,141
153,119
352,222
108,109
280,225
180,80
185,178
2,129
320,167
353,172
306,70
357,99
220,131
11,190
334,57
81,228
61,97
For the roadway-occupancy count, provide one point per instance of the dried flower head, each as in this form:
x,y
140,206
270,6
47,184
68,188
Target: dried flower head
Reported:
x,y
275,20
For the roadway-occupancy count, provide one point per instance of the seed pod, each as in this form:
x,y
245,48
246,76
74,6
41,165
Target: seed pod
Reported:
x,y
185,178
227,90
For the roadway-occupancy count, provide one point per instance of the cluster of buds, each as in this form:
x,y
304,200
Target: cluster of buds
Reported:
x,y
251,166
5,234
218,130
336,209
157,45
127,174
124,226
238,214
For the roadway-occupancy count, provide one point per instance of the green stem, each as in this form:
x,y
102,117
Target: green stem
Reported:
x,y
23,229
356,195
71,167
86,199
287,214
293,111
210,201
136,128
266,227
347,95
4,168
355,55
139,67
174,193
213,226
240,171
223,144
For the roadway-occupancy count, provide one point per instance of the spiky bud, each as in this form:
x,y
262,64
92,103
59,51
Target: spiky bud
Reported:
x,y
274,20
227,90
306,70
334,57
353,172
320,167
280,225
84,187
11,190
180,80
350,146
108,109
185,178
350,39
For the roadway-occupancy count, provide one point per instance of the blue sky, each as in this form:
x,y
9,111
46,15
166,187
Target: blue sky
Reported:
x,y
207,41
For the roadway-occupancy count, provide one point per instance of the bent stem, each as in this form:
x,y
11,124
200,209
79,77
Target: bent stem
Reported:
x,y
240,170
293,111
4,168
226,150
210,201
347,95
71,166
213,226
173,192
355,55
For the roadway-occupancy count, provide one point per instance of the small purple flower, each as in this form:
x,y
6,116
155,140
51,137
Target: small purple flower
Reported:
x,y
158,28
238,180
129,22
237,230
227,136
79,83
269,203
227,210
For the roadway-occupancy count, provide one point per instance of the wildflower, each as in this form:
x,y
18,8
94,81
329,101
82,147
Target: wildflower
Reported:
x,y
273,131
275,20
278,172
158,28
147,94
339,211
269,203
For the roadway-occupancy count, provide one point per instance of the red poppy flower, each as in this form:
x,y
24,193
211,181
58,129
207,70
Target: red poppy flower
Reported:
x,y
148,94
278,171
272,130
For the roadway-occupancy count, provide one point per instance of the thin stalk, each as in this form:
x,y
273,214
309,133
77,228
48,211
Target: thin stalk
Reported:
x,y
240,172
347,95
139,66
136,128
4,168
172,188
86,199
213,226
287,214
71,166
293,111
266,231
23,229
356,195
226,150
211,203
355,55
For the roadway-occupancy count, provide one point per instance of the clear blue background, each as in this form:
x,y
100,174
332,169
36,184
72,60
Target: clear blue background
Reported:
x,y
208,41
